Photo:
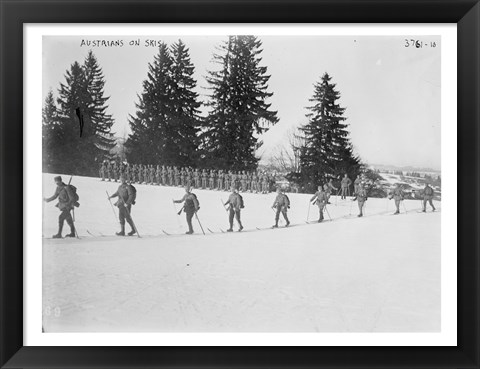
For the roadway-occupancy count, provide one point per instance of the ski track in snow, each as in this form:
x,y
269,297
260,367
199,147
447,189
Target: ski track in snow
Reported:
x,y
377,273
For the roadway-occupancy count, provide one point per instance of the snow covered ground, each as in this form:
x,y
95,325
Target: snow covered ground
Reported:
x,y
379,273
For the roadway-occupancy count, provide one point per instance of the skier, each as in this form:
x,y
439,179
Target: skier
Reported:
x,y
329,187
361,196
126,197
346,182
398,195
281,204
190,207
427,194
320,198
235,201
67,199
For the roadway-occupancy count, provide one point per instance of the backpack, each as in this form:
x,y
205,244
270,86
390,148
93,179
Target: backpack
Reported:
x,y
190,203
287,201
71,189
134,192
428,191
242,204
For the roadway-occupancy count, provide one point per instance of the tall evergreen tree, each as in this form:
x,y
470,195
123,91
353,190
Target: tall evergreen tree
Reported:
x,y
182,132
327,152
99,123
148,142
50,133
81,101
239,111
71,148
165,126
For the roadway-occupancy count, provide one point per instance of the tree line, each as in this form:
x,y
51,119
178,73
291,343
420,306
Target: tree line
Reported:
x,y
167,127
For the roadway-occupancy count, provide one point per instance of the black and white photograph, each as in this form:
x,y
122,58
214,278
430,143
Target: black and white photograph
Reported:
x,y
241,183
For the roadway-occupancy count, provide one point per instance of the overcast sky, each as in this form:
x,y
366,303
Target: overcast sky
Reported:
x,y
391,92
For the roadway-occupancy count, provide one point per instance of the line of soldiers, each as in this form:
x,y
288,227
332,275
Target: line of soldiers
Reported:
x,y
255,181
126,195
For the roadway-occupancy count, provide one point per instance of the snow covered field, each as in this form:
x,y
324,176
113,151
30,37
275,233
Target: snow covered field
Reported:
x,y
379,273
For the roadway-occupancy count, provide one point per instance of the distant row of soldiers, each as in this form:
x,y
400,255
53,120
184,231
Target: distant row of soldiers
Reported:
x,y
256,181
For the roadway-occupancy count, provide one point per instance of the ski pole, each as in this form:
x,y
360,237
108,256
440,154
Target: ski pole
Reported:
x,y
73,220
223,204
113,209
329,217
196,216
133,223
308,213
351,204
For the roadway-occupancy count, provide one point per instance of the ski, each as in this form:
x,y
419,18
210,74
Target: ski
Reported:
x,y
168,234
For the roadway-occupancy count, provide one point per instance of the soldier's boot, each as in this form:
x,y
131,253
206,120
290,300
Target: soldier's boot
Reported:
x,y
132,232
397,212
360,215
288,222
241,226
72,230
59,234
122,231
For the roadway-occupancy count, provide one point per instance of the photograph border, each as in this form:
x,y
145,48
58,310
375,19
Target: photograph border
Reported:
x,y
14,14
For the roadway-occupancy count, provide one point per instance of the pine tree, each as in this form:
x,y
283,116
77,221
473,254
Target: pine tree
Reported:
x,y
50,134
182,133
327,152
148,142
72,148
239,111
98,123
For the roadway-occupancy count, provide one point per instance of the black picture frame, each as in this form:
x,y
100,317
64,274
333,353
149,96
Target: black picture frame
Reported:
x,y
466,13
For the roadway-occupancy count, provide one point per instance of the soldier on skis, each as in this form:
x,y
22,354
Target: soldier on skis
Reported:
x,y
361,197
320,198
190,207
126,198
67,199
236,204
398,195
427,194
281,204
345,185
328,187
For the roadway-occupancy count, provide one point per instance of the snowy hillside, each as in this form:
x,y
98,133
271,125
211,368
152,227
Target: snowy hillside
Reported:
x,y
376,273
